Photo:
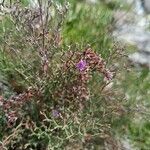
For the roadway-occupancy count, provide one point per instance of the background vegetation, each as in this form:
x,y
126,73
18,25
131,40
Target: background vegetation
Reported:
x,y
114,111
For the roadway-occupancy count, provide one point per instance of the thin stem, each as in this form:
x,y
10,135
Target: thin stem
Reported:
x,y
42,21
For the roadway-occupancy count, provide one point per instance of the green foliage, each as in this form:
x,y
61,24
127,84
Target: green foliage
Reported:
x,y
136,85
93,28
50,114
139,134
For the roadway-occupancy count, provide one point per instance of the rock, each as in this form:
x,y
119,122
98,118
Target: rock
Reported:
x,y
131,29
34,3
133,35
92,1
146,5
126,144
141,58
122,17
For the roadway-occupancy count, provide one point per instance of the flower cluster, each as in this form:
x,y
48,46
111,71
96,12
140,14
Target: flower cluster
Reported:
x,y
72,88
12,105
81,65
96,63
75,75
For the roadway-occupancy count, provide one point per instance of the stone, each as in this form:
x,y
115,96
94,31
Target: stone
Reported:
x,y
140,58
92,1
134,35
146,5
132,30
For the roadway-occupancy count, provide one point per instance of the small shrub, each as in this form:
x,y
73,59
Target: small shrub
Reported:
x,y
61,98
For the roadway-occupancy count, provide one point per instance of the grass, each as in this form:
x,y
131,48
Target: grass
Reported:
x,y
138,95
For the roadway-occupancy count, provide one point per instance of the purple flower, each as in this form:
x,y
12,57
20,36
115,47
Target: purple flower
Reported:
x,y
55,113
81,65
